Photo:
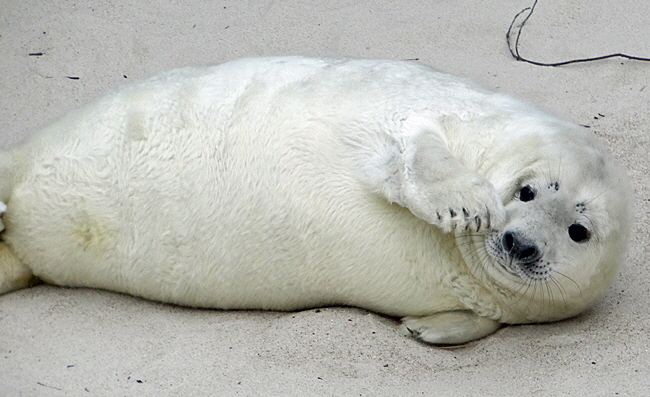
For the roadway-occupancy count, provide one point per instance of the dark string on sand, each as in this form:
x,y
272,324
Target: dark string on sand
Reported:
x,y
514,47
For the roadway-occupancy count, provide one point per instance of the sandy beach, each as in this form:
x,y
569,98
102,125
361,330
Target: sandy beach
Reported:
x,y
57,55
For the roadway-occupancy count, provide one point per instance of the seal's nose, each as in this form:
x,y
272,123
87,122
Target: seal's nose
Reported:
x,y
520,248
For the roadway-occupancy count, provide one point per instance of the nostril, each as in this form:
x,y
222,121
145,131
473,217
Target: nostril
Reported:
x,y
529,254
520,248
508,241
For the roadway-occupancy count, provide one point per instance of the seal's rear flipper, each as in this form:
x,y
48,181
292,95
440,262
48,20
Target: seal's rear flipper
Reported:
x,y
450,328
3,209
7,174
13,273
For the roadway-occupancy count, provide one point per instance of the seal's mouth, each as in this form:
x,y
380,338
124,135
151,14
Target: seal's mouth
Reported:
x,y
517,257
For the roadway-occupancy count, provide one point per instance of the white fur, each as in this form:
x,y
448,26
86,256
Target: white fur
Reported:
x,y
267,183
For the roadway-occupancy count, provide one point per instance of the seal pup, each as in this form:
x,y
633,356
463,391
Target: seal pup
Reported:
x,y
291,183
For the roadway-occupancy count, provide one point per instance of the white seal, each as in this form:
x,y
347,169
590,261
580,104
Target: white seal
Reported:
x,y
292,183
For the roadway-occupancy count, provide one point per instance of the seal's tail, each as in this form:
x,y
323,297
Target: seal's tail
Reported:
x,y
14,274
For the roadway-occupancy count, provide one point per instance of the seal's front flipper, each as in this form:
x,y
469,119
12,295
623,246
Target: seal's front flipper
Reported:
x,y
441,190
450,328
419,172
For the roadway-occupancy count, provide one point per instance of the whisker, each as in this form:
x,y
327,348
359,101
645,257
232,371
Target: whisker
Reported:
x,y
570,279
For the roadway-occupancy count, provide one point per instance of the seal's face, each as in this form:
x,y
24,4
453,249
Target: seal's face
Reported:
x,y
562,240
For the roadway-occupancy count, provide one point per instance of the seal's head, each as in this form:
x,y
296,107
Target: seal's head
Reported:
x,y
568,209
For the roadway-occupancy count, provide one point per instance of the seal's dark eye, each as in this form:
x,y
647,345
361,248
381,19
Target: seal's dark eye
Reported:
x,y
579,233
526,193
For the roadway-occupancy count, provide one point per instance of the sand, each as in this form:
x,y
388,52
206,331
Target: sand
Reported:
x,y
81,342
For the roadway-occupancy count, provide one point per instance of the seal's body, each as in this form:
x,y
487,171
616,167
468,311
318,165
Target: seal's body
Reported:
x,y
290,183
